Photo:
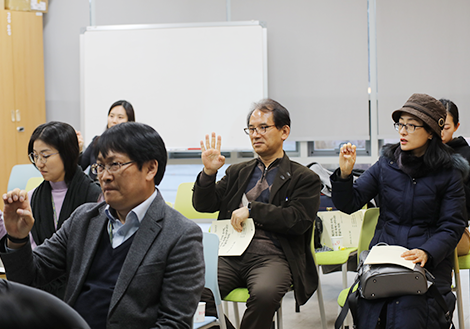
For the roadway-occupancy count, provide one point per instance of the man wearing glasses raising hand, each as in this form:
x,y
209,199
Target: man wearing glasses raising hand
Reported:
x,y
131,261
282,198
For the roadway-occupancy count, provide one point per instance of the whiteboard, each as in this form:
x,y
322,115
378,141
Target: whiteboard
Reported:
x,y
185,80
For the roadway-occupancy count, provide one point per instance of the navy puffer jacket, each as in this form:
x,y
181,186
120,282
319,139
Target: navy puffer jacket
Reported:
x,y
426,212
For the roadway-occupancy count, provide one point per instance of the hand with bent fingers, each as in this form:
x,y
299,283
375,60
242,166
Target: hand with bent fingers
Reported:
x,y
211,157
239,217
416,256
347,159
17,215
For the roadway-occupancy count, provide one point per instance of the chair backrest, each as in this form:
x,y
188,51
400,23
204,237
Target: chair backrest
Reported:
x,y
184,203
210,244
20,174
369,223
33,182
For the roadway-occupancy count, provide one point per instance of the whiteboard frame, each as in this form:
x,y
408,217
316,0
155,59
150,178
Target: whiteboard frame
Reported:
x,y
165,26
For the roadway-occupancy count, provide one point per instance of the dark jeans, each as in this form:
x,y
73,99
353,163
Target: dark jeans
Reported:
x,y
267,278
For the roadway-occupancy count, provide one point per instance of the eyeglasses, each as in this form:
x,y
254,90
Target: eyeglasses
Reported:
x,y
98,168
260,130
34,158
409,127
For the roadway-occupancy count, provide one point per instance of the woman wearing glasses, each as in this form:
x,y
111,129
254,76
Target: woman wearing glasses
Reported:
x,y
53,149
119,112
422,200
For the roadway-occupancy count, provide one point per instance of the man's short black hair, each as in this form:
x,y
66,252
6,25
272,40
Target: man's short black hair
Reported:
x,y
281,116
137,140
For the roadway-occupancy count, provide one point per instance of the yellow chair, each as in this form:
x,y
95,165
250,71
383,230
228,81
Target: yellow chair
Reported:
x,y
20,174
184,203
33,182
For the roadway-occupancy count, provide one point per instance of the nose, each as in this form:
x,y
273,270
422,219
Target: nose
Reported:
x,y
105,175
403,130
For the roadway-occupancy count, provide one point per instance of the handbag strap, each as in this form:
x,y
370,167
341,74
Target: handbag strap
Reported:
x,y
440,300
349,304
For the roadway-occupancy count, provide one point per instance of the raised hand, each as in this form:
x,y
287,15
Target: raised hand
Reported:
x,y
347,159
81,142
211,157
17,215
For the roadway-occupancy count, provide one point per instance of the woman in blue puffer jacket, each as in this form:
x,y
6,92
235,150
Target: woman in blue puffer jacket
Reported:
x,y
422,200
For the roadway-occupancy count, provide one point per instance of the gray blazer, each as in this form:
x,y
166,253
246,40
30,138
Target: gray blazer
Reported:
x,y
162,277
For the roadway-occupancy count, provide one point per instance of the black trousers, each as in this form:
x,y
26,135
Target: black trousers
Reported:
x,y
267,277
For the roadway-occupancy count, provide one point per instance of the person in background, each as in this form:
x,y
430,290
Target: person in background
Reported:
x,y
282,198
131,261
459,145
53,149
420,188
119,112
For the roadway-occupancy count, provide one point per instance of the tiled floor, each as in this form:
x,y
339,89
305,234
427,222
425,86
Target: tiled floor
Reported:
x,y
309,316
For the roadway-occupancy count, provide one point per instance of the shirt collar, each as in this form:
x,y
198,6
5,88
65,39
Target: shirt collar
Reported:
x,y
138,211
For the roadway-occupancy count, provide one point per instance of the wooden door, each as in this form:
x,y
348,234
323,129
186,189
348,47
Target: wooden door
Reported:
x,y
28,76
22,95
8,148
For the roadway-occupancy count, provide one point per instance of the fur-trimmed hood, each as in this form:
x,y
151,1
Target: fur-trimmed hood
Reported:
x,y
458,161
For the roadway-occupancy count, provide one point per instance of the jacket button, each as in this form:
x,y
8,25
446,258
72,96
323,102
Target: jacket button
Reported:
x,y
282,177
288,174
391,162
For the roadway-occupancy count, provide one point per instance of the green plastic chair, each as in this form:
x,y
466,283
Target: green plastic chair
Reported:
x,y
336,257
460,263
184,203
241,295
369,223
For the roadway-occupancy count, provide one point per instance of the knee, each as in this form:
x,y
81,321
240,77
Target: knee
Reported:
x,y
266,296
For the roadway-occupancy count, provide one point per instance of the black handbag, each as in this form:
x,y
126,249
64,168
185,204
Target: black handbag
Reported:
x,y
387,280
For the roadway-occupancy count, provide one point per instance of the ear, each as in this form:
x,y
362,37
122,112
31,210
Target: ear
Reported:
x,y
457,127
151,168
285,132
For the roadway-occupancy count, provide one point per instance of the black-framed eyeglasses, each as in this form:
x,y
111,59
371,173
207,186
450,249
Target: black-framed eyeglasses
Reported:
x,y
34,158
98,168
260,130
409,127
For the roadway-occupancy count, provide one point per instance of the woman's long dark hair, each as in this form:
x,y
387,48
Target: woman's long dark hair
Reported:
x,y
63,138
437,155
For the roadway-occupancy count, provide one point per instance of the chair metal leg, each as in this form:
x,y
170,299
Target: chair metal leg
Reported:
x,y
458,290
344,272
279,316
237,315
321,305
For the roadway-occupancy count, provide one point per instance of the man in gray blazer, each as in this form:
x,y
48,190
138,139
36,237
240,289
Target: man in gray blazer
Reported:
x,y
131,261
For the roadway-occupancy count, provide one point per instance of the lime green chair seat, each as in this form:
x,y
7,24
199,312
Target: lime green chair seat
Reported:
x,y
464,262
184,203
344,293
334,257
241,295
238,295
